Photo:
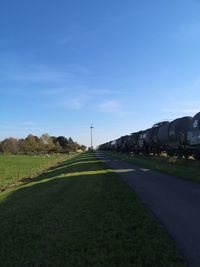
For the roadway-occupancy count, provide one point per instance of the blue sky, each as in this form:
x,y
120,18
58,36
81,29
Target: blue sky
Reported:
x,y
121,65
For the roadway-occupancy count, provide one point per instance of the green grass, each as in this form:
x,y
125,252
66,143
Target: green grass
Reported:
x,y
185,168
13,167
80,213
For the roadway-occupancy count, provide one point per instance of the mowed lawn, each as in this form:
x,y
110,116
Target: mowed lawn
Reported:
x,y
185,168
14,167
80,213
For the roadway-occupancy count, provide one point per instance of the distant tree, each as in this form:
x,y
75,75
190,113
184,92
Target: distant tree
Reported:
x,y
83,148
21,144
10,146
74,146
70,146
31,144
1,147
63,142
47,143
70,141
57,147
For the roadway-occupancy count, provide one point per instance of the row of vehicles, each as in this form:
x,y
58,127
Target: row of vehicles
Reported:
x,y
180,137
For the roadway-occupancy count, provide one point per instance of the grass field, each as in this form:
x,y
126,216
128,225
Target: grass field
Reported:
x,y
80,213
186,168
14,167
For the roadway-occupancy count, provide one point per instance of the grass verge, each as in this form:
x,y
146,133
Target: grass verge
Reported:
x,y
80,213
185,168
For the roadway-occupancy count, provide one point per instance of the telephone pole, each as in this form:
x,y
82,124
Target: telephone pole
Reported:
x,y
91,127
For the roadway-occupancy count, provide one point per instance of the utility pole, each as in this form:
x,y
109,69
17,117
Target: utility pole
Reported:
x,y
91,127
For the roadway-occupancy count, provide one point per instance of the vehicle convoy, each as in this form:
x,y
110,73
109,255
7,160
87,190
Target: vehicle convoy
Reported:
x,y
180,137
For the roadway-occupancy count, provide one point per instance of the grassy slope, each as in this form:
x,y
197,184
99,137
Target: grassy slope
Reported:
x,y
80,214
189,169
11,164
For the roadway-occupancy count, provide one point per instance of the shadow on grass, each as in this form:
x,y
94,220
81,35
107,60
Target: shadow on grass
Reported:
x,y
48,224
72,163
61,221
86,218
82,163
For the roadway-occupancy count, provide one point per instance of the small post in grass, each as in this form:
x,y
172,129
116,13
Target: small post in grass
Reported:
x,y
30,172
18,175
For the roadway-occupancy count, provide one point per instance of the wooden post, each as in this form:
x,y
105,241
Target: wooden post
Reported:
x,y
30,173
18,176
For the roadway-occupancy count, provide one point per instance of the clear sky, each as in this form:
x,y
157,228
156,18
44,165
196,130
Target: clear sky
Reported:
x,y
119,64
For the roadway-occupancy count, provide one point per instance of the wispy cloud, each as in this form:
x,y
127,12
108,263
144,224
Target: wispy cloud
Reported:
x,y
74,103
196,84
176,110
101,91
79,98
28,123
33,92
112,106
35,74
186,102
182,111
189,30
62,41
14,68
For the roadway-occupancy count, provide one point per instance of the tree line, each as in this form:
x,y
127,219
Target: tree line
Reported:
x,y
33,144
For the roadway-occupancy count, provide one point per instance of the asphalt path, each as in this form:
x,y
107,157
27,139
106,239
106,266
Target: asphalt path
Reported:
x,y
174,201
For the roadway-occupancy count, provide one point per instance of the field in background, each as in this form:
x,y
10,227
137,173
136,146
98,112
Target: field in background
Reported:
x,y
16,167
185,168
80,213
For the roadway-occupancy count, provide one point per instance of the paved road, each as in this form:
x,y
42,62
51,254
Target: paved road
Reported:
x,y
174,201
